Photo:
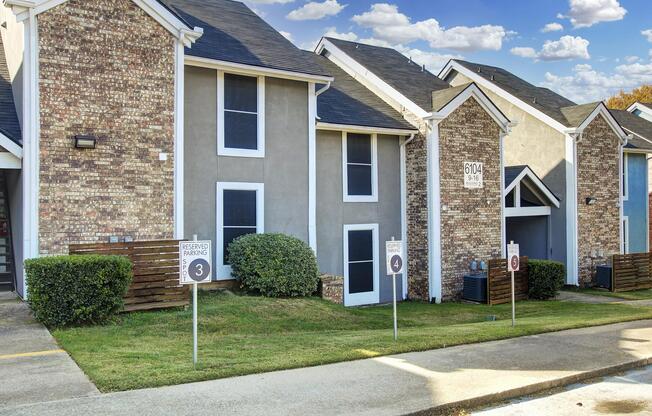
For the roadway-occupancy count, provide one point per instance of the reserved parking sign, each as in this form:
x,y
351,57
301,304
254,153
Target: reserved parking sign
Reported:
x,y
194,262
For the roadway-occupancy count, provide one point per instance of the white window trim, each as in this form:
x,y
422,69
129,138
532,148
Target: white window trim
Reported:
x,y
366,298
223,271
227,151
374,172
625,190
625,234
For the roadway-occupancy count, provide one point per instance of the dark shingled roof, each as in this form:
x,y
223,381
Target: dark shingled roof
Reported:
x,y
577,114
640,127
543,99
9,125
234,33
407,77
351,103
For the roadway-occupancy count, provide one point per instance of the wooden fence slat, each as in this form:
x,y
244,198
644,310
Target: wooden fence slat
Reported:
x,y
499,285
631,272
155,283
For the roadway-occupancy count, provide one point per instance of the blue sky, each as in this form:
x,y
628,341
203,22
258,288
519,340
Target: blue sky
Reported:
x,y
589,50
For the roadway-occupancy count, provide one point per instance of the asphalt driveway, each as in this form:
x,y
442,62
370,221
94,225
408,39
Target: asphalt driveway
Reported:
x,y
32,366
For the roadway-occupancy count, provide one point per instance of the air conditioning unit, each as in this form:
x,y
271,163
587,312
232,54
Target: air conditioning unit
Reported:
x,y
475,287
603,276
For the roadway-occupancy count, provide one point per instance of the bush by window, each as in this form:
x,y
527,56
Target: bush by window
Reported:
x,y
546,278
274,265
76,290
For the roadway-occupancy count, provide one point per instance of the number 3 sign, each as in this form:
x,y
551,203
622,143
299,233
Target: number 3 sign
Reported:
x,y
194,262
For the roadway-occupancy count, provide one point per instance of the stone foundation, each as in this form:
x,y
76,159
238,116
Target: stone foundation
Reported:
x,y
332,288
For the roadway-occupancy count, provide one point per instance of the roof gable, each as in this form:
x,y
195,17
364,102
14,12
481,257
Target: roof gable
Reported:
x,y
348,102
638,126
515,174
9,124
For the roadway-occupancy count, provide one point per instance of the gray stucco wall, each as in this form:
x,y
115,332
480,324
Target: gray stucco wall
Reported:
x,y
284,170
534,143
333,213
15,194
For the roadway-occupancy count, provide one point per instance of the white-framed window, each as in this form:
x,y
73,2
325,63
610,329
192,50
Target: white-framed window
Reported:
x,y
359,167
361,264
240,115
625,176
625,235
240,211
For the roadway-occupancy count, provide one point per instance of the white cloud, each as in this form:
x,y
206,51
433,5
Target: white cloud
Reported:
x,y
286,35
632,59
586,13
567,47
586,84
552,27
648,34
331,32
524,52
433,61
316,11
388,24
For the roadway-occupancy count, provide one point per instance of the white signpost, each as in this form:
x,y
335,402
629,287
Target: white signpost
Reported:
x,y
473,175
513,265
194,268
395,265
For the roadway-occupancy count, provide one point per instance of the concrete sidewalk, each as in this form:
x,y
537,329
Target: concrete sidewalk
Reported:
x,y
400,384
32,366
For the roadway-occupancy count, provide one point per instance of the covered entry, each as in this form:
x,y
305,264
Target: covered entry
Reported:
x,y
528,205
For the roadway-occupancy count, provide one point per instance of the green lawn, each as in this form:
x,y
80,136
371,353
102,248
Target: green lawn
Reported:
x,y
243,335
633,295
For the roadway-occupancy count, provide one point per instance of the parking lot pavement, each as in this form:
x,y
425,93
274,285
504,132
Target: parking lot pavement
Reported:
x,y
32,366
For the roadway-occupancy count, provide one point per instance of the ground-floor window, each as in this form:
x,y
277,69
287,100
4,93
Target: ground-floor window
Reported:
x,y
361,268
240,211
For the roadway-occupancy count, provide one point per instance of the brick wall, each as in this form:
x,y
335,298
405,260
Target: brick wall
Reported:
x,y
598,176
417,218
107,69
471,218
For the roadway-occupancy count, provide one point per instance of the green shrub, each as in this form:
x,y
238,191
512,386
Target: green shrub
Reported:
x,y
545,278
75,290
274,265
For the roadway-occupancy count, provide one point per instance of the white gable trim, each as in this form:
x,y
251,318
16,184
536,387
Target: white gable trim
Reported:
x,y
641,107
473,91
527,172
11,146
364,129
370,80
156,10
454,66
602,109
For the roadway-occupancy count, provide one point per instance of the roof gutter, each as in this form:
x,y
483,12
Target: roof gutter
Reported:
x,y
323,89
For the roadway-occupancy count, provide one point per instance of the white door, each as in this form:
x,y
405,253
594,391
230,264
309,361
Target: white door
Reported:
x,y
361,267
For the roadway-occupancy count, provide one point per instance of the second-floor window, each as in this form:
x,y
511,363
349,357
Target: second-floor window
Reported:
x,y
241,109
359,167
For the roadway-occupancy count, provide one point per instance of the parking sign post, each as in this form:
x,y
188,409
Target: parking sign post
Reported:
x,y
394,254
194,268
513,265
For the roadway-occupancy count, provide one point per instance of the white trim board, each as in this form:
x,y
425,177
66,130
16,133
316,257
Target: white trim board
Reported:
x,y
363,129
374,171
153,8
11,146
527,172
223,271
179,80
253,70
365,298
9,161
481,81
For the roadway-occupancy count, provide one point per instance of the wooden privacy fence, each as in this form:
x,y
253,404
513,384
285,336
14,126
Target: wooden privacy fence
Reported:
x,y
631,272
499,282
156,272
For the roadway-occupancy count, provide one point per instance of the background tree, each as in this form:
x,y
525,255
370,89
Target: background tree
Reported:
x,y
623,100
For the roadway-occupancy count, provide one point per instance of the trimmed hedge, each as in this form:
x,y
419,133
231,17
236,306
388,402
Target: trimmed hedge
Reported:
x,y
275,265
76,290
546,278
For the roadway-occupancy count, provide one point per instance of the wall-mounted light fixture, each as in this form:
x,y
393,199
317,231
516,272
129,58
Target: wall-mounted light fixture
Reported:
x,y
591,200
85,142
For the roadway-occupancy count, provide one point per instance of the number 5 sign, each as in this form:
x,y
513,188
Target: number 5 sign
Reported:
x,y
194,262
